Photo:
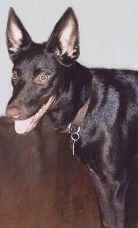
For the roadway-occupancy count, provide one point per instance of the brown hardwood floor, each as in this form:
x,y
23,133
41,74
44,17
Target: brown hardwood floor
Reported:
x,y
41,184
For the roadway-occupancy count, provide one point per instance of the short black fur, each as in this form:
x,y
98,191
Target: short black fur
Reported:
x,y
108,134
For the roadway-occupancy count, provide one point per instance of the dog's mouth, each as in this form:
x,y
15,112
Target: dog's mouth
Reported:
x,y
27,125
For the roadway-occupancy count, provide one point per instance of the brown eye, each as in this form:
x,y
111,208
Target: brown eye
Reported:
x,y
14,75
41,78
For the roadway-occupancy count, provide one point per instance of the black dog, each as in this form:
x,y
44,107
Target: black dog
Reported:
x,y
98,107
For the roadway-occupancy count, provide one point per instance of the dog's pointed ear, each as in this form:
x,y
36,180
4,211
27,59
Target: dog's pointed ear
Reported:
x,y
64,39
17,36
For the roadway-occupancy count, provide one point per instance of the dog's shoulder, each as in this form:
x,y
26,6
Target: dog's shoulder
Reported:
x,y
116,99
123,82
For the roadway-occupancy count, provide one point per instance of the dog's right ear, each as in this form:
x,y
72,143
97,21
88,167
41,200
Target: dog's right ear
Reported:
x,y
18,38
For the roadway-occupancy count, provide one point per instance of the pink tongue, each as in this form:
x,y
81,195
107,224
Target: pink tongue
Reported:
x,y
25,126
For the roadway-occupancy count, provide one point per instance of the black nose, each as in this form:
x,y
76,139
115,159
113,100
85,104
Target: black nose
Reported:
x,y
13,111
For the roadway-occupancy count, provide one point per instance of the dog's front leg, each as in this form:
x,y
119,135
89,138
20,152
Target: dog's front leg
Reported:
x,y
111,195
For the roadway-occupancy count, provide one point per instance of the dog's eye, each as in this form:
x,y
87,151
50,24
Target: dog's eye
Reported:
x,y
42,78
14,75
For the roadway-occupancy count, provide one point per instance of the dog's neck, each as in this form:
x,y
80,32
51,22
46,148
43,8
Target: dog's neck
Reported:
x,y
81,78
74,93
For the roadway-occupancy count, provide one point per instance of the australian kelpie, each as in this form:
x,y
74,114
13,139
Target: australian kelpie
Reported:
x,y
97,108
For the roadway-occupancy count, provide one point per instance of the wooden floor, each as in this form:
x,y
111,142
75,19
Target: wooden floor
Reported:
x,y
42,185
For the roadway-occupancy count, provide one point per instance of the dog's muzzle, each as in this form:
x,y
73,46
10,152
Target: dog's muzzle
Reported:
x,y
27,125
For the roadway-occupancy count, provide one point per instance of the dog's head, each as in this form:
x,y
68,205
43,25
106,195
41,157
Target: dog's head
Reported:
x,y
43,75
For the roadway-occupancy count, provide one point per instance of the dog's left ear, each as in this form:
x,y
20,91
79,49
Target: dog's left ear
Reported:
x,y
18,38
64,40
